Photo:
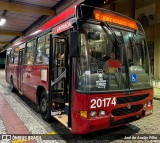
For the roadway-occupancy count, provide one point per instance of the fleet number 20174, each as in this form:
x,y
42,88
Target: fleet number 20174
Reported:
x,y
105,102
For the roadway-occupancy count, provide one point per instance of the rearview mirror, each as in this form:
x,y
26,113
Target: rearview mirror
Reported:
x,y
73,44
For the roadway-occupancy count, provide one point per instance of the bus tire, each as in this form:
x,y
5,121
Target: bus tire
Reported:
x,y
44,106
12,85
37,108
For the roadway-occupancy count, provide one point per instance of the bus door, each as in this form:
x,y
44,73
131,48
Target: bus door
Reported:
x,y
58,83
20,69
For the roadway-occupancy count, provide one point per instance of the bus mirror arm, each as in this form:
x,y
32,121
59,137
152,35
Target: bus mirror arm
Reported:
x,y
73,44
74,21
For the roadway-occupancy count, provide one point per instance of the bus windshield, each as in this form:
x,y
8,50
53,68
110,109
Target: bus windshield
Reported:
x,y
106,64
138,59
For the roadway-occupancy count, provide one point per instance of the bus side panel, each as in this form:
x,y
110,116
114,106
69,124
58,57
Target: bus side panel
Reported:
x,y
32,79
28,84
39,74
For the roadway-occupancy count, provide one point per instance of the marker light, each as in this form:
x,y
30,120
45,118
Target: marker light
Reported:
x,y
2,21
102,113
83,114
93,113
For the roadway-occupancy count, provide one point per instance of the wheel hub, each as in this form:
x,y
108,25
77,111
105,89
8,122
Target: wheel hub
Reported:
x,y
43,105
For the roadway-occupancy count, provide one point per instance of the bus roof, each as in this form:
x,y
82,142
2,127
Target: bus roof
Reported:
x,y
63,16
87,12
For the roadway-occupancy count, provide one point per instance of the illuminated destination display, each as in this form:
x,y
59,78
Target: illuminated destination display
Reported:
x,y
108,17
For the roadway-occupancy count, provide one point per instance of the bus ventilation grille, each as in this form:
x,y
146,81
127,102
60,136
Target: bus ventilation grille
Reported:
x,y
125,110
124,121
128,99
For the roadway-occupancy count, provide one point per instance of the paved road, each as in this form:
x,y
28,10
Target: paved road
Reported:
x,y
32,121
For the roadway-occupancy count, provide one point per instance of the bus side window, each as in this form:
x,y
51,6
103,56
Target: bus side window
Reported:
x,y
47,43
39,52
42,53
15,57
8,58
11,61
30,52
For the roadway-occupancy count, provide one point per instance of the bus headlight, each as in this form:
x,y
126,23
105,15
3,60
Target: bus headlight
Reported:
x,y
93,114
102,113
149,103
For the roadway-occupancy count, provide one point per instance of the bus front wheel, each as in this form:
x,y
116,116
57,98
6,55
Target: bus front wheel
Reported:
x,y
44,106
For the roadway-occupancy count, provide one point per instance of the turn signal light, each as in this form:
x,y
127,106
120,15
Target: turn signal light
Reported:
x,y
149,103
83,114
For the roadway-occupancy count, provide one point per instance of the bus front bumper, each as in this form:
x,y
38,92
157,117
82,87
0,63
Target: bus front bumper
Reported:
x,y
82,126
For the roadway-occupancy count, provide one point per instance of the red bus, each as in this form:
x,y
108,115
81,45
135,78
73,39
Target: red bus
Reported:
x,y
87,67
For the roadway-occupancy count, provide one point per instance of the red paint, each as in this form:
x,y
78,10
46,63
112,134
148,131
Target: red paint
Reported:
x,y
32,79
82,102
55,20
62,27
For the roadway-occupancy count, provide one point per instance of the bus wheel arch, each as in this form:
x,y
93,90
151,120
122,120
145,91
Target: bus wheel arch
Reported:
x,y
38,97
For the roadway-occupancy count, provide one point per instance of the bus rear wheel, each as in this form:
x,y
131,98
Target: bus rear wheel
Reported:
x,y
44,106
12,85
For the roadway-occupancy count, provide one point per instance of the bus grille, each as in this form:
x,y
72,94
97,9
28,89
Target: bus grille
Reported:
x,y
125,110
128,99
124,121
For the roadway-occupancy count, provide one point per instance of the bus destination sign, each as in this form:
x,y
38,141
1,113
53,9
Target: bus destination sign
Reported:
x,y
116,19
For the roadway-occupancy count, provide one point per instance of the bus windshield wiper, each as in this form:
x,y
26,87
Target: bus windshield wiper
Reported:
x,y
112,32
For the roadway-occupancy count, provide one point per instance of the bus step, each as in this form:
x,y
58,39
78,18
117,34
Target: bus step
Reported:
x,y
59,100
20,92
62,119
57,112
